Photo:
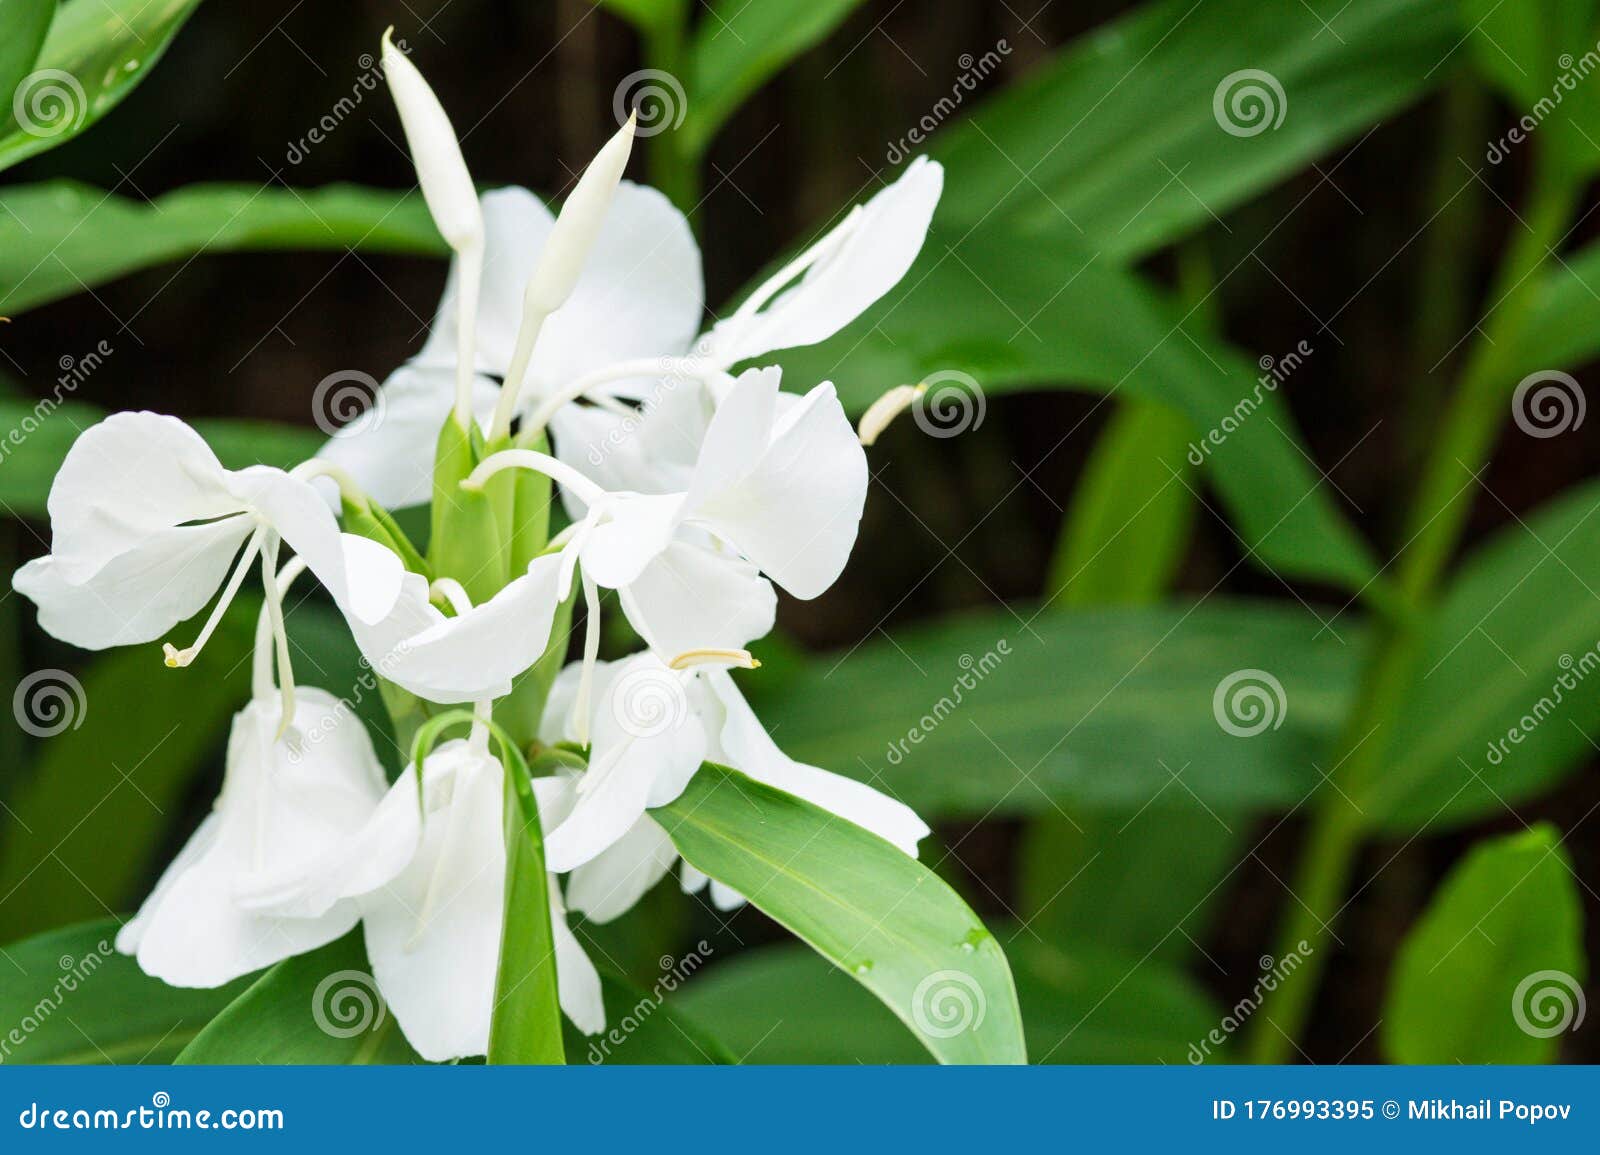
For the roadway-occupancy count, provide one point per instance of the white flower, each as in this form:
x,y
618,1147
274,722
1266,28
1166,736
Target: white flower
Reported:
x,y
652,727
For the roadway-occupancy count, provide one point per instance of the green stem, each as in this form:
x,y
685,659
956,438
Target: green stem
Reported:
x,y
1438,516
673,169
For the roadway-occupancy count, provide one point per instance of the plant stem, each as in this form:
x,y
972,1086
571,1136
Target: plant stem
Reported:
x,y
672,169
1438,516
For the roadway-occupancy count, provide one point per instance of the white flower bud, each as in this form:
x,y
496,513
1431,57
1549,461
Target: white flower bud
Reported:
x,y
446,184
577,226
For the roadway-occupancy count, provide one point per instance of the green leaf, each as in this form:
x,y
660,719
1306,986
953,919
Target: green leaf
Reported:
x,y
97,51
738,46
1139,882
1015,713
1119,136
884,917
526,1023
69,997
61,237
25,23
1563,324
39,433
106,788
1509,682
319,1008
1493,972
1078,1007
643,1029
1016,312
1127,529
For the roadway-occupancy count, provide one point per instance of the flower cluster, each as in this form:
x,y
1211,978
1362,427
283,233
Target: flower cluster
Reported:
x,y
564,360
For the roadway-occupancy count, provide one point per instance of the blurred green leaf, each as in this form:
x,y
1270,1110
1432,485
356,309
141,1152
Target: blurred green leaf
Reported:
x,y
643,1030
783,1004
73,999
1118,135
1510,677
1493,972
738,46
1136,882
1036,315
38,435
61,237
322,1007
1563,324
1108,707
97,51
1127,527
25,23
893,925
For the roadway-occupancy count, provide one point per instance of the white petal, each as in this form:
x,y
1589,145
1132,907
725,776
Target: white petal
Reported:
x,y
441,171
797,513
737,437
883,239
746,745
651,451
577,982
138,595
434,956
693,597
614,881
632,530
389,449
724,897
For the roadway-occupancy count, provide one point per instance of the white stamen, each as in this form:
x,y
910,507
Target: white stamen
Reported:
x,y
689,368
591,655
316,467
176,658
882,412
261,679
580,486
274,608
741,659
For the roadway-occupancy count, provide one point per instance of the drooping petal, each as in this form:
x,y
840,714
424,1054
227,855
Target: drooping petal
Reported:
x,y
630,531
695,596
868,255
610,884
577,982
433,932
745,744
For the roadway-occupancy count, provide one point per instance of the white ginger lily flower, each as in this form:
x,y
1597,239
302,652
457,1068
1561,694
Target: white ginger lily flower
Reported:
x,y
285,799
652,726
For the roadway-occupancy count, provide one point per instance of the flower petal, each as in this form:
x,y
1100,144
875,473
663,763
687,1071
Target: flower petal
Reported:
x,y
611,883
694,597
577,982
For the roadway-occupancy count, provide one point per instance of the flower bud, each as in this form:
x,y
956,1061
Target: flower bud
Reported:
x,y
446,184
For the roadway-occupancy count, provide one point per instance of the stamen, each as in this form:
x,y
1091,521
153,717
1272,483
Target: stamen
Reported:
x,y
176,658
691,368
469,284
580,486
882,412
348,489
274,608
261,680
451,592
591,655
740,659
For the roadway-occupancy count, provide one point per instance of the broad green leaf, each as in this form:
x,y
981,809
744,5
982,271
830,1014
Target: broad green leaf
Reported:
x,y
1493,972
1012,713
783,1004
1563,324
643,1029
1120,135
1509,682
106,789
25,23
97,51
893,925
61,237
69,997
39,433
1016,312
738,45
319,1008
1127,528
526,1022
1137,882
